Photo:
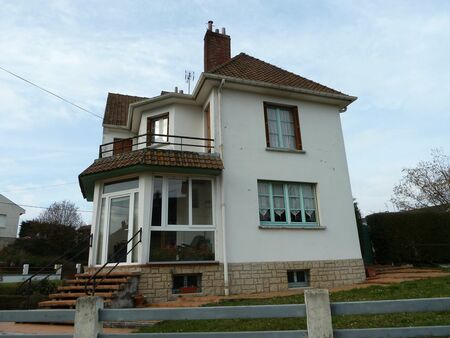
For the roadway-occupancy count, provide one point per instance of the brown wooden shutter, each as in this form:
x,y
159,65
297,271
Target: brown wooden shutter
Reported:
x,y
298,137
266,121
121,146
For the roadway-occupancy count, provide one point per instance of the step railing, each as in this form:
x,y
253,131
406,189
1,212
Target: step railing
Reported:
x,y
93,279
59,267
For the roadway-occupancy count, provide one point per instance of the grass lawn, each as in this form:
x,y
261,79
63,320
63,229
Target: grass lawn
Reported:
x,y
427,288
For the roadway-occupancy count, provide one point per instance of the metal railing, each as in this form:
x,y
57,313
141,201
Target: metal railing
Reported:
x,y
93,308
152,140
53,263
112,260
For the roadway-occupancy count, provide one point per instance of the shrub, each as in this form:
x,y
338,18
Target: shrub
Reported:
x,y
419,237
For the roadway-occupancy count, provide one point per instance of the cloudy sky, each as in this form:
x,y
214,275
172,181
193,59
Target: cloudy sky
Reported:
x,y
393,55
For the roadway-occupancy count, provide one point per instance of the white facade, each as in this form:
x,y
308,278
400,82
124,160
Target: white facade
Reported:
x,y
237,125
9,220
322,162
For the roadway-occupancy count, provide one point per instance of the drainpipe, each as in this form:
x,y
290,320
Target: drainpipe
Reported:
x,y
222,190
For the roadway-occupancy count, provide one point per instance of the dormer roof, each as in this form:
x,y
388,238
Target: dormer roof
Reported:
x,y
116,110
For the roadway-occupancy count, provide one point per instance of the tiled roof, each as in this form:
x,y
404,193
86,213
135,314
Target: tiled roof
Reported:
x,y
247,67
116,110
156,157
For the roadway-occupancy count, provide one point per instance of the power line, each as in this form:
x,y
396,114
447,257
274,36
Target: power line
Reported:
x,y
35,206
39,187
51,93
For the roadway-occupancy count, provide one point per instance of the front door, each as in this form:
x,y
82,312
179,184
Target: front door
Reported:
x,y
119,221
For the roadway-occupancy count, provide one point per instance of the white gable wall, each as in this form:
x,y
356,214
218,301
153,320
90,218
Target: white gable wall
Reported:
x,y
9,213
324,162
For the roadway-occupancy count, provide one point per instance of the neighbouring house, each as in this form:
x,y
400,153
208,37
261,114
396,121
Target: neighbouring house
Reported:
x,y
9,220
240,187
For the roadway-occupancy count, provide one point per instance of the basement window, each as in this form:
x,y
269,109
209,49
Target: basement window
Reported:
x,y
298,278
189,283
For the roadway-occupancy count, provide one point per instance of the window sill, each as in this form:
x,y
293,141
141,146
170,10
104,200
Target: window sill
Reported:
x,y
286,150
293,227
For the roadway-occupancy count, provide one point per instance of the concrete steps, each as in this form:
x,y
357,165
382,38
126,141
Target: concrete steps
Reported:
x,y
117,289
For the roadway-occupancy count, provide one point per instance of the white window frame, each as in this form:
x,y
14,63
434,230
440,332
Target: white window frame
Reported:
x,y
108,196
165,205
164,210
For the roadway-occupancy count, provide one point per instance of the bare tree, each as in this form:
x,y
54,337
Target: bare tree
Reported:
x,y
64,212
426,185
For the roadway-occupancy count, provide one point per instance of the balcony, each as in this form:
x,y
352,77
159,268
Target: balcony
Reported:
x,y
157,141
160,153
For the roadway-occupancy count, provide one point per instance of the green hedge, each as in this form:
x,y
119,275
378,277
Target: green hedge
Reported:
x,y
18,302
420,237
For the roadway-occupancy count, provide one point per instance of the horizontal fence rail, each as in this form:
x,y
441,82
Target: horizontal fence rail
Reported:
x,y
395,332
37,316
391,306
254,334
92,308
201,313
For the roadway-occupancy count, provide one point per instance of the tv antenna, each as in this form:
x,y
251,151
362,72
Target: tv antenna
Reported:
x,y
188,77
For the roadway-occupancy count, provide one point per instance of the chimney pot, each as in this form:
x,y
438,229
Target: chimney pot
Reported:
x,y
176,89
210,25
217,30
223,31
181,91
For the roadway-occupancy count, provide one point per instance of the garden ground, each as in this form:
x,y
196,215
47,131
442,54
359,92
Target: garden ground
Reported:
x,y
389,283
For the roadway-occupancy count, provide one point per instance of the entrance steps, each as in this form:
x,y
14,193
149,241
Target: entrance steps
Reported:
x,y
117,289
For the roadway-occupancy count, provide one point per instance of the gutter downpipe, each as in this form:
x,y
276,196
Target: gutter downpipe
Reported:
x,y
222,191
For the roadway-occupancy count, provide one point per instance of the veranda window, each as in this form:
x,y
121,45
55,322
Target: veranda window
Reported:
x,y
182,219
287,203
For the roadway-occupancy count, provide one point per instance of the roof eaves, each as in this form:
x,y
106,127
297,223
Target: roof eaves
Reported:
x,y
343,97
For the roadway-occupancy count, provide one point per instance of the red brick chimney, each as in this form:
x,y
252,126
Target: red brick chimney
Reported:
x,y
217,47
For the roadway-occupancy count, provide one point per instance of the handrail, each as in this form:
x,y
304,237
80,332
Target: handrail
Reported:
x,y
94,276
56,260
149,142
29,279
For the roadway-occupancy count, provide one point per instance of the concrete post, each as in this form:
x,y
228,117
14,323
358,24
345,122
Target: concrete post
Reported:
x,y
318,313
87,323
78,267
58,269
25,269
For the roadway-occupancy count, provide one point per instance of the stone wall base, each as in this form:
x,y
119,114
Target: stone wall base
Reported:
x,y
155,282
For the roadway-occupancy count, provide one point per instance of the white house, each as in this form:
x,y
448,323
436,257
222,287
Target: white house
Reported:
x,y
240,187
9,220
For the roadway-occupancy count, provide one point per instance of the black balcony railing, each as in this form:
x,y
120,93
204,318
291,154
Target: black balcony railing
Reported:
x,y
176,142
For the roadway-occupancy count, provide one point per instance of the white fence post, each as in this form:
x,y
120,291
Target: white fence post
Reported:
x,y
318,313
58,269
87,321
78,267
25,269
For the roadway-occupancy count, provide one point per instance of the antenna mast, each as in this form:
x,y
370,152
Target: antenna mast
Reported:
x,y
188,77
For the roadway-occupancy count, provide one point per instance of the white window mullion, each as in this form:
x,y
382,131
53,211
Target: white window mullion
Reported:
x,y
272,211
130,227
286,203
279,129
165,202
106,231
302,204
190,201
